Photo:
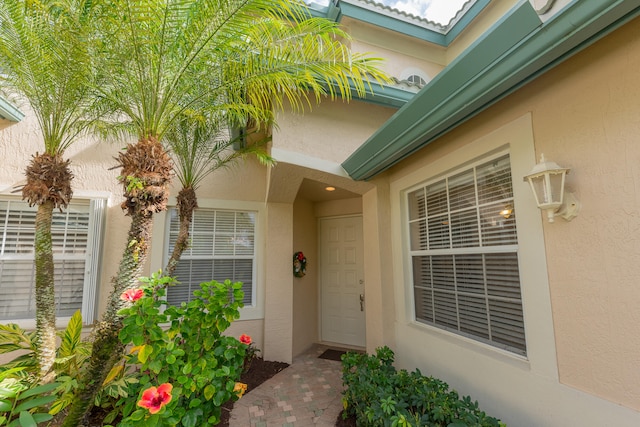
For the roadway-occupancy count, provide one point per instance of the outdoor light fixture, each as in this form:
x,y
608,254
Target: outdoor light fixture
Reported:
x,y
330,188
547,183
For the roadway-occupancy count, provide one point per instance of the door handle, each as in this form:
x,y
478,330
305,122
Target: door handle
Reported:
x,y
361,302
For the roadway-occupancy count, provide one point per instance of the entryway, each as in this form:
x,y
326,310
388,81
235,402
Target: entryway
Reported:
x,y
342,299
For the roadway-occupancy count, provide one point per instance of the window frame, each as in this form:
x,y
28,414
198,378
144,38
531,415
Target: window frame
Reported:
x,y
514,133
97,208
161,236
455,251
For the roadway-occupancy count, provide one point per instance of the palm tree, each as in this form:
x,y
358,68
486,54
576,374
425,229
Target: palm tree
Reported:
x,y
45,61
239,58
200,145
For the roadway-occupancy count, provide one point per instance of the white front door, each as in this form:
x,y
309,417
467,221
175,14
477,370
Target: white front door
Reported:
x,y
342,281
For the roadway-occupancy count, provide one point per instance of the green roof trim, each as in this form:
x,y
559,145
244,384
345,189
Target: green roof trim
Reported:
x,y
516,50
387,96
9,112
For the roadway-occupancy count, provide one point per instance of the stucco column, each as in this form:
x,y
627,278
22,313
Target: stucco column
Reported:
x,y
380,312
278,309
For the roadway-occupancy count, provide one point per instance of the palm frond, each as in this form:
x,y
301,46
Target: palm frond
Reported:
x,y
45,59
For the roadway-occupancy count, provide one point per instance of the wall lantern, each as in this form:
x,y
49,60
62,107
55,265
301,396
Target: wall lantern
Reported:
x,y
547,183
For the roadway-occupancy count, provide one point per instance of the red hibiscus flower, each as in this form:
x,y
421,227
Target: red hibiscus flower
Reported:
x,y
155,398
132,295
245,339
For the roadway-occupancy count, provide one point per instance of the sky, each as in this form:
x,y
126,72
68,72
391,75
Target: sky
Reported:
x,y
440,11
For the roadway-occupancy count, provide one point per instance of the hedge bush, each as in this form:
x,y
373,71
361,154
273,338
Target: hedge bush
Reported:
x,y
379,395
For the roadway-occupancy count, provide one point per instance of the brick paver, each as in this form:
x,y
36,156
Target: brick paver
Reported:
x,y
307,393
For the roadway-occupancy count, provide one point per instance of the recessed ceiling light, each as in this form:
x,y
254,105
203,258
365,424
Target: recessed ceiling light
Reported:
x,y
330,188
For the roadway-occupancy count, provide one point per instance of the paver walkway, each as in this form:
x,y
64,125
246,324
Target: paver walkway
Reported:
x,y
307,393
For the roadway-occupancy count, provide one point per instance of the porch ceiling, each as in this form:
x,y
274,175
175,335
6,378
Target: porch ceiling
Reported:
x,y
288,181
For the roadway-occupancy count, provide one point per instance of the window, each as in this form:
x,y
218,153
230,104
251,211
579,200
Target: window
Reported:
x,y
463,248
416,80
76,236
222,247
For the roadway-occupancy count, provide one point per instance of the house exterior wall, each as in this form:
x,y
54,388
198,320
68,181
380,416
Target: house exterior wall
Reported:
x,y
578,278
331,131
305,289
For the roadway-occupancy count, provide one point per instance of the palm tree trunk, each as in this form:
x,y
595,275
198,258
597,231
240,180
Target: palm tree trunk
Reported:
x,y
45,292
146,174
107,348
187,202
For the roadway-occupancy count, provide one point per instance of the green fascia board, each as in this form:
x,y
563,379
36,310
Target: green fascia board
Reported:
x,y
392,24
466,19
387,96
379,94
9,112
448,101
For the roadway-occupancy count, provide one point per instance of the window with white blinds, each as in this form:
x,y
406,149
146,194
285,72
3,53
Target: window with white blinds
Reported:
x,y
76,236
222,247
463,246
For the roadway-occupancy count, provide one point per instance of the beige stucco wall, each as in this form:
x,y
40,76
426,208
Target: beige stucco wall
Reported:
x,y
331,131
587,117
305,289
584,115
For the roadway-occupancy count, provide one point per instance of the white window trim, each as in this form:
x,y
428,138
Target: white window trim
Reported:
x,y
98,203
160,242
466,250
517,137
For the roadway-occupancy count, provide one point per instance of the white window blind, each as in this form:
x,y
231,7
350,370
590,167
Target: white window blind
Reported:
x,y
76,236
463,246
222,247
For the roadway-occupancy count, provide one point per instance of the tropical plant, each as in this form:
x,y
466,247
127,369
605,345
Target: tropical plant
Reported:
x,y
71,356
200,145
21,402
378,395
189,370
45,61
239,58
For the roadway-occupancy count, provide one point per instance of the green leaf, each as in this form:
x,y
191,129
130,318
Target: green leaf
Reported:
x,y
186,369
190,419
34,403
26,420
209,390
71,337
39,390
138,415
144,353
42,417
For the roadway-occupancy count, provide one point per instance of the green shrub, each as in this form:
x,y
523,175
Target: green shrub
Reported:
x,y
23,403
378,395
189,369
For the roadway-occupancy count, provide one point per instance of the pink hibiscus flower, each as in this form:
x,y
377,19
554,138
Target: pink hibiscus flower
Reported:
x,y
155,398
132,295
